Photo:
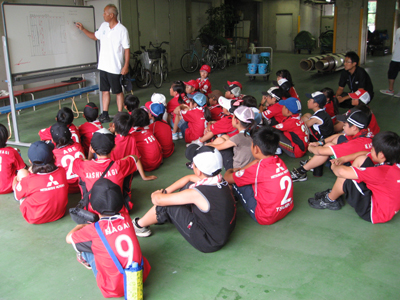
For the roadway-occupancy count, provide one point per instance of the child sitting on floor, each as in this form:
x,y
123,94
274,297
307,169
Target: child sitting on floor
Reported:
x,y
160,129
331,106
263,187
371,185
233,90
191,88
66,116
293,133
269,107
177,91
148,146
42,192
319,123
92,124
355,138
213,105
65,152
203,210
10,162
131,102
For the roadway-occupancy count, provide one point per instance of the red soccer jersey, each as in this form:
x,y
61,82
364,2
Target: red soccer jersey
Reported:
x,y
274,111
44,197
272,186
196,123
224,126
10,163
45,134
120,235
64,158
90,170
297,132
173,103
384,182
86,131
357,143
293,93
162,131
329,108
216,112
204,85
124,146
148,147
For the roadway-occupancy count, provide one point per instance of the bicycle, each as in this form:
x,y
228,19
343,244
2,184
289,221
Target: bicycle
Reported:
x,y
216,56
159,64
190,61
138,72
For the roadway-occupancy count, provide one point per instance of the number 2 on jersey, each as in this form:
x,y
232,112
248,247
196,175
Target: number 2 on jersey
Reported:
x,y
288,188
67,161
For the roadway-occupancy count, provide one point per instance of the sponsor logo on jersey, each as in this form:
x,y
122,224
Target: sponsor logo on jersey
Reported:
x,y
239,173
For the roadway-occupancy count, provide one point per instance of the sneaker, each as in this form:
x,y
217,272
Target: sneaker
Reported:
x,y
296,176
387,92
278,151
189,165
397,95
304,161
141,231
197,142
320,195
82,261
104,119
324,203
180,135
175,136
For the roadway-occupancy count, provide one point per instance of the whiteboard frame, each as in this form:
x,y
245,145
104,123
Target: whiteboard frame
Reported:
x,y
45,76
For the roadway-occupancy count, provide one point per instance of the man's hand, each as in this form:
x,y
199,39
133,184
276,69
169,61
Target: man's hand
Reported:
x,y
79,25
125,70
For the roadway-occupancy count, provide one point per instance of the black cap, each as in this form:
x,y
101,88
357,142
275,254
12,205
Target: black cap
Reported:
x,y
106,197
103,141
59,131
40,153
206,158
91,111
357,118
126,82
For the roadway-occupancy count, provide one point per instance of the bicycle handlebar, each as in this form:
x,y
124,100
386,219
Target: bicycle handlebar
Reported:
x,y
158,47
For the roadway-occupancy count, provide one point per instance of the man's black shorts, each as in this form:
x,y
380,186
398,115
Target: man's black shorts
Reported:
x,y
110,81
394,69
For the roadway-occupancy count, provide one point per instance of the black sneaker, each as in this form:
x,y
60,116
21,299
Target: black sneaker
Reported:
x,y
296,176
320,195
104,119
189,165
324,203
304,161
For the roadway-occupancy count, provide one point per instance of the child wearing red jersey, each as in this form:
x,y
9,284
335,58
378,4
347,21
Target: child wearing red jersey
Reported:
x,y
269,107
360,99
289,86
371,185
92,124
42,192
204,83
89,171
263,186
213,105
10,162
355,138
147,145
125,143
65,152
203,210
160,128
131,102
160,99
233,90
293,133
119,232
331,106
194,118
223,126
177,91
66,116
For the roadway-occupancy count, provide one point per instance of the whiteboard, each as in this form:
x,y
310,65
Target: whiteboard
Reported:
x,y
44,37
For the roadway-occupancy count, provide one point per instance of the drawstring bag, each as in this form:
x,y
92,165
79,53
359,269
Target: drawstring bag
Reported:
x,y
133,274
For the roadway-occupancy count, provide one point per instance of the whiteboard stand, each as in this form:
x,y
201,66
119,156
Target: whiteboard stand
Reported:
x,y
11,96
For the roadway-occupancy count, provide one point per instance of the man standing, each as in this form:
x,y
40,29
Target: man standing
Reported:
x,y
394,66
113,59
355,78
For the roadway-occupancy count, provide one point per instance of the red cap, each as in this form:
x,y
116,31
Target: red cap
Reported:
x,y
192,83
206,68
235,82
147,105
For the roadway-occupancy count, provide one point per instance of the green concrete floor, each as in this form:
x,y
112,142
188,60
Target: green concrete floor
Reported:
x,y
310,254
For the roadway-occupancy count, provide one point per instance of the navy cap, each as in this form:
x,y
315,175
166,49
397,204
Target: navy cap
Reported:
x,y
40,153
106,197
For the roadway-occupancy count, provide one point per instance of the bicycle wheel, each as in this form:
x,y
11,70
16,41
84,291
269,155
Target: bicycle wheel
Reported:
x,y
212,60
164,67
156,73
189,62
143,79
222,59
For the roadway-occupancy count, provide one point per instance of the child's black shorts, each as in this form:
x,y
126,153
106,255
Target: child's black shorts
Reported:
x,y
358,196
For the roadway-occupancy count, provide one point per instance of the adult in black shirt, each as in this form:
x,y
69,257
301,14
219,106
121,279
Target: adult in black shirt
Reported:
x,y
354,77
